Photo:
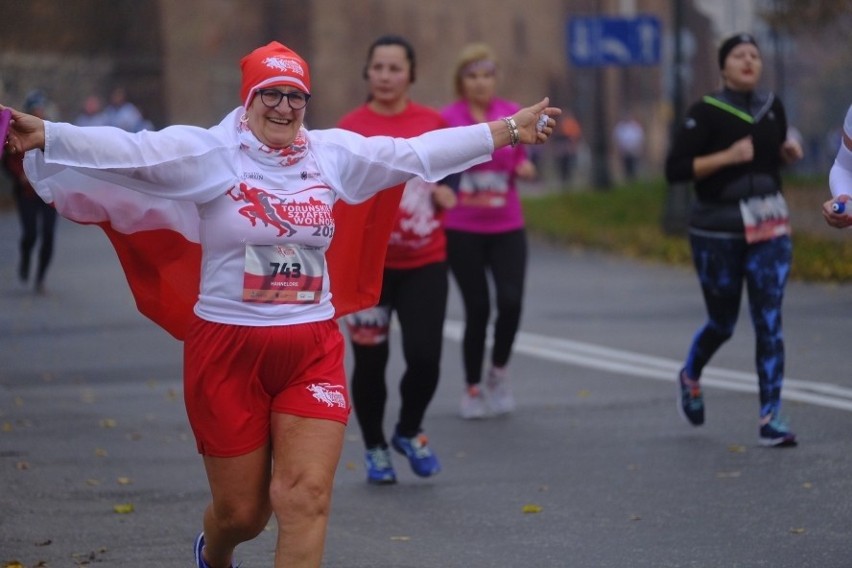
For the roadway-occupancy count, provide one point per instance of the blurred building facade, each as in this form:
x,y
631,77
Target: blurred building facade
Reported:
x,y
179,61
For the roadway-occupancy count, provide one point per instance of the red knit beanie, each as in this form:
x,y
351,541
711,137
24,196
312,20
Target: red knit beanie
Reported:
x,y
273,65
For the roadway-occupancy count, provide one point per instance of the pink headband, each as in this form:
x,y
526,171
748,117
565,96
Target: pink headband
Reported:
x,y
481,65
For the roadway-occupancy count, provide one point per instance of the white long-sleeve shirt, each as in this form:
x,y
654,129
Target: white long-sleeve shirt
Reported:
x,y
263,227
840,176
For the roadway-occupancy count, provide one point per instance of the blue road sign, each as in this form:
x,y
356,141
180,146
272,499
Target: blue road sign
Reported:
x,y
601,41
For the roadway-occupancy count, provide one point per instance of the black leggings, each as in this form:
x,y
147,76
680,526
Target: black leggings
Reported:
x,y
419,298
36,217
472,256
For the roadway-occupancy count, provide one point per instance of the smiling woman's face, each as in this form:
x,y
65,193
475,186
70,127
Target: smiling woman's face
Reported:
x,y
276,127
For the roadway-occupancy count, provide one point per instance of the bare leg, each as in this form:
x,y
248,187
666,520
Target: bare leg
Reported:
x,y
305,455
240,508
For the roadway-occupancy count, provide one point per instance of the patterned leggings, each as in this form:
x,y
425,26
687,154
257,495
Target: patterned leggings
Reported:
x,y
722,264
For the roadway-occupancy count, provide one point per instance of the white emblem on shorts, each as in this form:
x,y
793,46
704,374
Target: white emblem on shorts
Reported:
x,y
328,393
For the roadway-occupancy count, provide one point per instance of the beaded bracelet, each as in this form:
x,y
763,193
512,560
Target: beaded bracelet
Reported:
x,y
514,133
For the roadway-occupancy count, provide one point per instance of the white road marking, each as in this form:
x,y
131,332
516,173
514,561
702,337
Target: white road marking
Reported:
x,y
659,368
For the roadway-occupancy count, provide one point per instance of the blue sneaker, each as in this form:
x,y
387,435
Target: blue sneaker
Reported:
x,y
416,449
379,468
199,558
690,401
776,435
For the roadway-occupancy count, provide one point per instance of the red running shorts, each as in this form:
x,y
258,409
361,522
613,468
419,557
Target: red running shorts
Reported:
x,y
236,376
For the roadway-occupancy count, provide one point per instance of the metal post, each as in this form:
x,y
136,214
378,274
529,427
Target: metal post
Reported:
x,y
601,154
678,196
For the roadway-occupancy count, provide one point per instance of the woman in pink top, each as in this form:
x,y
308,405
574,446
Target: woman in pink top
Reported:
x,y
485,234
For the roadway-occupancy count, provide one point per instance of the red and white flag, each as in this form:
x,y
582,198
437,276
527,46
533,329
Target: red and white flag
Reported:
x,y
157,243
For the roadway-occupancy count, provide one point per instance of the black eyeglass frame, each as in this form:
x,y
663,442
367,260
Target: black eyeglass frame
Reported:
x,y
280,96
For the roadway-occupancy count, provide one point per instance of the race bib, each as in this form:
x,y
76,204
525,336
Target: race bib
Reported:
x,y
370,326
283,274
483,189
765,217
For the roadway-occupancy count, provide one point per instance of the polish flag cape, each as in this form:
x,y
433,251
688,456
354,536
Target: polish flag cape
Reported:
x,y
156,235
157,243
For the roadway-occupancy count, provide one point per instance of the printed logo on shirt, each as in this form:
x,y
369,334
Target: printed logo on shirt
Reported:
x,y
328,394
252,175
487,189
283,215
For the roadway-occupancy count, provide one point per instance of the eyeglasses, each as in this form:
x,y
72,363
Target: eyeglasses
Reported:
x,y
271,98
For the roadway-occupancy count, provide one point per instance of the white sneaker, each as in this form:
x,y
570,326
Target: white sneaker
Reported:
x,y
500,397
473,403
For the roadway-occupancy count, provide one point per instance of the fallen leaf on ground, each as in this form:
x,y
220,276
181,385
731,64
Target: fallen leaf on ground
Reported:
x,y
727,474
529,508
123,508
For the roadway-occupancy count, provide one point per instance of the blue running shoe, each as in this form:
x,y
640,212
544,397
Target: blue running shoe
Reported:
x,y
379,468
776,435
690,401
199,558
416,449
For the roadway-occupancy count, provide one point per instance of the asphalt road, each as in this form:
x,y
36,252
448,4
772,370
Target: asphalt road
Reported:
x,y
595,469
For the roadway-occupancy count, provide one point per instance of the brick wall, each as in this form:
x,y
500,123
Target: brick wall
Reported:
x,y
180,60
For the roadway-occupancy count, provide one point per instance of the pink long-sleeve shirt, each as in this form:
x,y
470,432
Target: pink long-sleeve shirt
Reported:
x,y
488,195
